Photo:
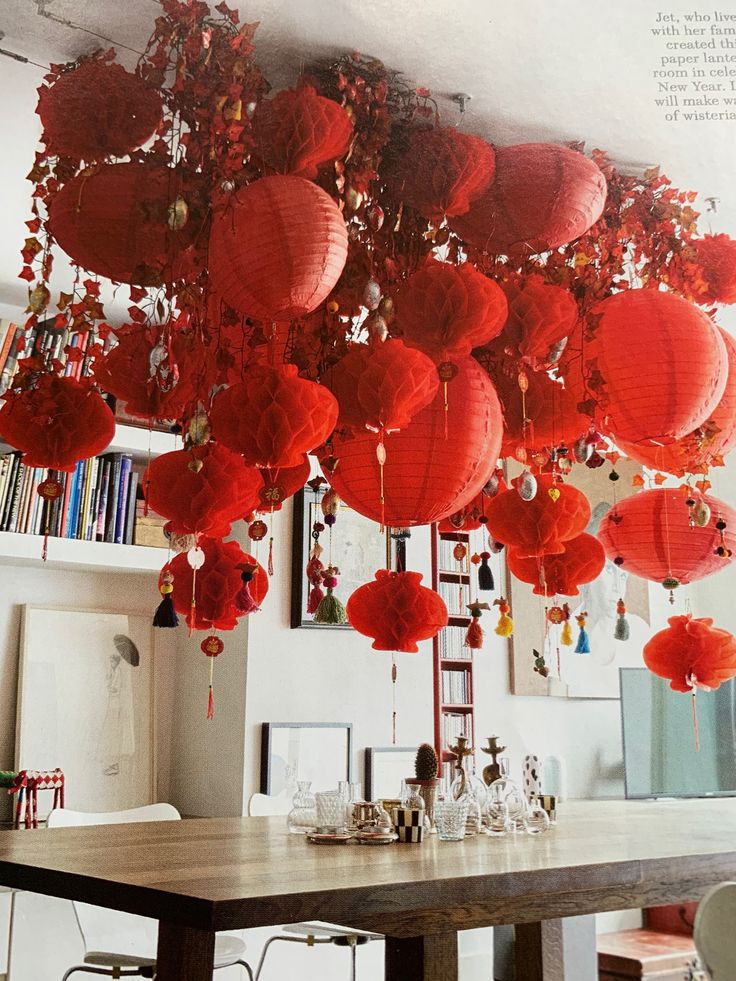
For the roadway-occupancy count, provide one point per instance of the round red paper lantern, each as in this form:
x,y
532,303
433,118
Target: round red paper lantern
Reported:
x,y
216,587
543,196
717,257
551,575
542,525
662,363
298,131
447,310
707,445
434,466
281,483
273,417
382,386
201,490
692,653
133,223
277,248
97,110
541,315
397,611
651,535
443,171
56,423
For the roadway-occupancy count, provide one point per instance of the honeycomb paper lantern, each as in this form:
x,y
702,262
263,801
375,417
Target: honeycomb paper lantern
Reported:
x,y
447,310
704,447
427,475
582,561
216,587
277,248
298,131
443,171
97,110
396,611
382,386
542,525
662,362
273,417
717,257
691,653
649,535
121,222
540,316
201,490
56,423
543,196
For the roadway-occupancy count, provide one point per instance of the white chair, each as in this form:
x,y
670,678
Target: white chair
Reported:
x,y
309,934
714,932
123,945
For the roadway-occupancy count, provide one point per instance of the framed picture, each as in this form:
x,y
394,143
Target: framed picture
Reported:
x,y
321,752
358,550
86,705
385,768
593,675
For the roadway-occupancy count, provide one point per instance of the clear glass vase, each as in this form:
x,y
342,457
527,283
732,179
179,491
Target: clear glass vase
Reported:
x,y
508,792
536,819
303,814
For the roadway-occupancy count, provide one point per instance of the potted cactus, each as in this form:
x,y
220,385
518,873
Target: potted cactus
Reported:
x,y
425,769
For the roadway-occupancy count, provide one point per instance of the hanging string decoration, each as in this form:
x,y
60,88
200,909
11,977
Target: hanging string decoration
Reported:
x,y
474,634
330,610
505,625
583,642
582,561
396,611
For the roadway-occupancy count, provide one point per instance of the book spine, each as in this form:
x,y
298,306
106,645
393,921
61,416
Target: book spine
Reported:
x,y
65,505
12,478
15,500
71,526
94,500
112,497
125,468
130,508
102,506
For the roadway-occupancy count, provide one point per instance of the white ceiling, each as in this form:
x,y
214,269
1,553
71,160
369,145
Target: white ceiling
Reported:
x,y
537,70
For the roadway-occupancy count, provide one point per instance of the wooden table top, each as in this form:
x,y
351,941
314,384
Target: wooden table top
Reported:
x,y
224,873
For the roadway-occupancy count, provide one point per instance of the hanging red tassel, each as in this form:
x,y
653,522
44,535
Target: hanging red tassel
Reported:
x,y
50,490
244,599
474,633
212,646
316,594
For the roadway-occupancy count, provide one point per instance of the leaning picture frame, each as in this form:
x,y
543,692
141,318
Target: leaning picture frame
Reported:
x,y
320,752
385,768
358,548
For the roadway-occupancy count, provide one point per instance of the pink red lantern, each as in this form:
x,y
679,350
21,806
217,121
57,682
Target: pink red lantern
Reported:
x,y
717,257
691,653
447,310
396,611
707,445
273,417
541,316
97,110
582,561
298,131
543,196
656,535
57,422
662,365
131,222
382,386
443,171
201,490
277,248
434,466
542,525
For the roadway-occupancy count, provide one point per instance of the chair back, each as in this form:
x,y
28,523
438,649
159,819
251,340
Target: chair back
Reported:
x,y
714,934
266,805
106,930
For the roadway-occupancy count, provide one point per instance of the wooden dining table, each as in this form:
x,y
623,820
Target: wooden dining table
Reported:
x,y
200,876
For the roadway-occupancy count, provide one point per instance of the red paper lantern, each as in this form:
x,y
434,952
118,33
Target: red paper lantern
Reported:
x,y
297,131
281,483
430,471
382,386
202,490
217,585
541,315
543,196
56,423
444,171
651,534
582,561
97,110
707,445
662,363
692,653
397,611
133,223
717,257
277,248
273,417
542,525
447,310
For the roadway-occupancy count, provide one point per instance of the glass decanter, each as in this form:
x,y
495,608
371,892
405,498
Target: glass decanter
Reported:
x,y
497,818
536,819
303,814
508,791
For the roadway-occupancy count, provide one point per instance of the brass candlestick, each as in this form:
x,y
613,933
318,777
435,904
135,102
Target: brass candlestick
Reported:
x,y
460,751
492,771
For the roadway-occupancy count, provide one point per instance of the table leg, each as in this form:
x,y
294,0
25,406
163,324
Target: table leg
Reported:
x,y
184,953
428,958
539,952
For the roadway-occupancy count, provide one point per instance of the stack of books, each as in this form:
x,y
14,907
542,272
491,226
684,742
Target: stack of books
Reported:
x,y
455,689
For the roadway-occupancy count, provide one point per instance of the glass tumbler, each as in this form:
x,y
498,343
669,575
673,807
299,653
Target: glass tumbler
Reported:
x,y
330,809
450,817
